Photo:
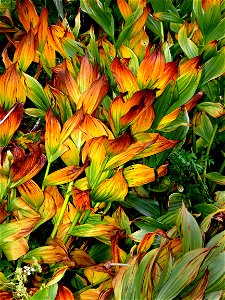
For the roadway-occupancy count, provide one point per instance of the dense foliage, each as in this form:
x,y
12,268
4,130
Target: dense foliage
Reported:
x,y
112,150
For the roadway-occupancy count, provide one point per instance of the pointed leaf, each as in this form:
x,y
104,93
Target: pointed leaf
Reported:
x,y
138,174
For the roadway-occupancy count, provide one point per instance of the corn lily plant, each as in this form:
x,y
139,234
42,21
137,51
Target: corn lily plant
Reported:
x,y
107,108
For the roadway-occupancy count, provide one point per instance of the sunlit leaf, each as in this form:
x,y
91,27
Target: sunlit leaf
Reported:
x,y
64,293
27,14
138,174
19,244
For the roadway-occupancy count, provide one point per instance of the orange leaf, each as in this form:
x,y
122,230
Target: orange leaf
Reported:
x,y
159,144
151,69
138,174
9,122
87,74
124,8
146,242
144,120
27,14
25,51
42,29
115,112
47,209
90,99
170,73
11,88
64,175
139,24
118,145
72,156
19,244
64,293
190,66
52,133
125,78
92,127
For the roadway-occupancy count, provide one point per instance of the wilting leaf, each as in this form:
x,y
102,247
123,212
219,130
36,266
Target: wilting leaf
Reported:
x,y
89,230
27,14
189,230
215,110
113,189
19,244
146,242
31,192
95,276
81,258
15,230
47,209
199,290
216,177
81,199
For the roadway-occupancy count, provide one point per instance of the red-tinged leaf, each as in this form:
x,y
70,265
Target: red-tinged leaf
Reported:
x,y
92,127
206,4
25,51
11,88
42,29
91,98
146,242
28,166
162,170
124,8
118,145
89,230
9,122
16,229
71,124
170,73
158,144
6,295
81,199
131,152
27,14
64,175
3,214
19,244
31,192
113,189
87,74
144,120
125,78
138,174
5,57
64,293
52,133
151,69
55,36
130,116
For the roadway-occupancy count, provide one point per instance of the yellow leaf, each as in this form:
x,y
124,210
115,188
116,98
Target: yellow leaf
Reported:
x,y
146,242
27,14
138,174
31,192
81,258
19,244
94,276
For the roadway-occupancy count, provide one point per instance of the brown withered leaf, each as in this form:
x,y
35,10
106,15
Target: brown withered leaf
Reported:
x,y
81,199
27,14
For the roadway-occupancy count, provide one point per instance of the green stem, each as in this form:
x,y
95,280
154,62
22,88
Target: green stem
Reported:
x,y
62,211
88,212
46,174
74,223
208,150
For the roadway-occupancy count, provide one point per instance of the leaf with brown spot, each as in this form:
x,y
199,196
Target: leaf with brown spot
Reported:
x,y
27,14
118,145
138,174
42,29
81,199
81,258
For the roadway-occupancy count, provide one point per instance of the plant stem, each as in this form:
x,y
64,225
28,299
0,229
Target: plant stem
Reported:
x,y
46,174
74,223
88,212
208,150
62,211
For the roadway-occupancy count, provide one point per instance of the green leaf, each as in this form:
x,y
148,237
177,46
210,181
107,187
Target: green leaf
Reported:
x,y
46,293
154,26
183,273
168,17
187,45
125,33
189,230
216,177
35,92
213,68
100,13
205,209
35,112
217,33
216,274
59,6
72,47
203,126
